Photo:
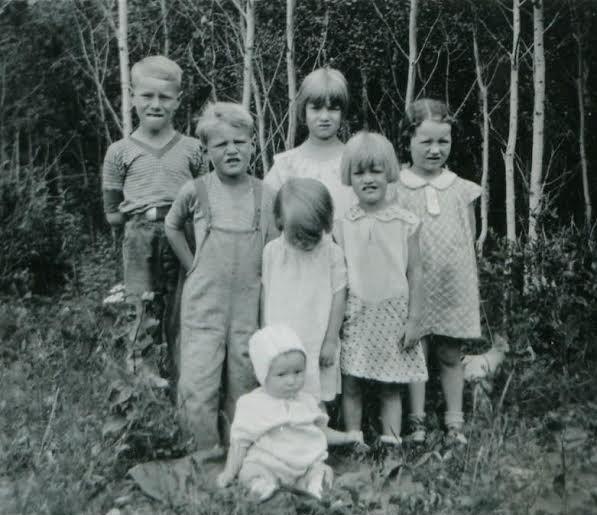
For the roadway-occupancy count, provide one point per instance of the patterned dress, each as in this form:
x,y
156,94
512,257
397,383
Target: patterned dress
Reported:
x,y
376,250
450,282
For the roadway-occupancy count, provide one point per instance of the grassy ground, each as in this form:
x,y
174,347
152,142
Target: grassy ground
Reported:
x,y
72,425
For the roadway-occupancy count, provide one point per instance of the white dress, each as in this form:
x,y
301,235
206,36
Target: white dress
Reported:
x,y
376,249
298,287
296,163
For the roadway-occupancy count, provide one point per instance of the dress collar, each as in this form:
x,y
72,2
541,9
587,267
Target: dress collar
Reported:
x,y
388,213
411,180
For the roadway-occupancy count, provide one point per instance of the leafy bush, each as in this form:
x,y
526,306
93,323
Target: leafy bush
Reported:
x,y
544,295
40,236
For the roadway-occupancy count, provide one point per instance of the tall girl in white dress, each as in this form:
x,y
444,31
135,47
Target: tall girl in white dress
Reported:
x,y
322,102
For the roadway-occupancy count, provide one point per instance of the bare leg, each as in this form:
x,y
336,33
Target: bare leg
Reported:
x,y
451,373
391,410
416,391
352,403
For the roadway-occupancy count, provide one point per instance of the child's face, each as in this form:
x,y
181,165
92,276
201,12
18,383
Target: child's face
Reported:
x,y
286,376
323,121
229,149
370,185
430,146
155,101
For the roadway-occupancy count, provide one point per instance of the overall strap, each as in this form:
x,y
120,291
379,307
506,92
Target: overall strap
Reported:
x,y
257,194
203,203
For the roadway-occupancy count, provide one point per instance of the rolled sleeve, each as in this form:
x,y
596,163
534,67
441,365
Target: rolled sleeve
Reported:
x,y
113,169
182,207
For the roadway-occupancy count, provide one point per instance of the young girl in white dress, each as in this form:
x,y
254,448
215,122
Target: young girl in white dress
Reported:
x,y
381,245
304,280
322,102
445,204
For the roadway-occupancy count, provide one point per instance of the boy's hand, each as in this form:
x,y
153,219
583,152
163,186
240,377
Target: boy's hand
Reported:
x,y
327,356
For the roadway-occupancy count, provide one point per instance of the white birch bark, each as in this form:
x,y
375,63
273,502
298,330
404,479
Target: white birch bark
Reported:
x,y
536,180
164,10
512,126
125,81
485,147
248,59
412,53
291,74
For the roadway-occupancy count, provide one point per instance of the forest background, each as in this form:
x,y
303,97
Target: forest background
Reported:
x,y
529,139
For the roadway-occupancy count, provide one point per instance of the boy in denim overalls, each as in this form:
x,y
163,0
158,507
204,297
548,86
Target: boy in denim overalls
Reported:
x,y
233,220
142,174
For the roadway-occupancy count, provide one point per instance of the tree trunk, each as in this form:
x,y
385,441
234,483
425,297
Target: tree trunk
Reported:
x,y
164,10
512,126
412,53
581,96
260,115
536,181
364,98
248,60
485,147
123,53
291,72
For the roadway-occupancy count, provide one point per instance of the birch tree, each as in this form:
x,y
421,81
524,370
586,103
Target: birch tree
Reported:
x,y
291,73
536,182
512,126
580,82
485,145
412,53
123,53
249,43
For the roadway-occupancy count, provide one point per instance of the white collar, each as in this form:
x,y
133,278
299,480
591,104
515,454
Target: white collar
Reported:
x,y
388,213
441,182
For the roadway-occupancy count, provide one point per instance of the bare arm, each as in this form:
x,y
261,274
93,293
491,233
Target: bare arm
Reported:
x,y
234,461
472,220
415,301
180,246
332,334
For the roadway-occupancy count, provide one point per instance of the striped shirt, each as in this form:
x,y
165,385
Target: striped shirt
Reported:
x,y
150,177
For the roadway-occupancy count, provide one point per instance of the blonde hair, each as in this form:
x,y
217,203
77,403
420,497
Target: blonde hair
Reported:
x,y
304,208
158,67
322,87
366,149
223,113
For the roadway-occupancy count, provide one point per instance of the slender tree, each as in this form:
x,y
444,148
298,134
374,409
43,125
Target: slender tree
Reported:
x,y
512,125
164,11
249,43
581,97
536,181
412,53
485,144
123,53
291,73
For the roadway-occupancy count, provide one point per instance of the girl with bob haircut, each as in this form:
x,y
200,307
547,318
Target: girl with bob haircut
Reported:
x,y
381,243
322,103
367,149
304,282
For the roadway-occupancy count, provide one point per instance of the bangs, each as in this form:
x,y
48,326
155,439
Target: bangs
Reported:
x,y
368,149
323,87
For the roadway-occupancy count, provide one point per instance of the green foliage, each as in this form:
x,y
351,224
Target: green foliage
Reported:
x,y
40,236
544,296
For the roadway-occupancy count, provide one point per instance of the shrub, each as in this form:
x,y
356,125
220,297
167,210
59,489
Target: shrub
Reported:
x,y
544,295
40,236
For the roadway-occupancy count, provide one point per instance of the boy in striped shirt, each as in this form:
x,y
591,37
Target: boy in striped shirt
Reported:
x,y
142,174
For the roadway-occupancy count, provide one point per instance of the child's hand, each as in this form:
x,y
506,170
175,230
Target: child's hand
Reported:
x,y
411,338
327,357
223,479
